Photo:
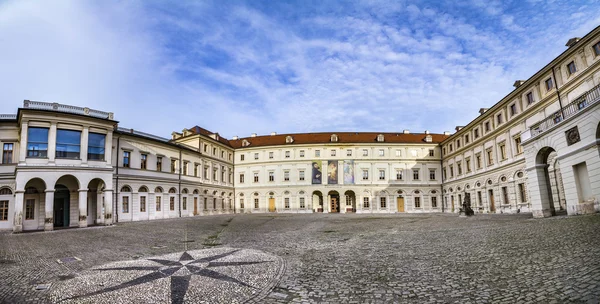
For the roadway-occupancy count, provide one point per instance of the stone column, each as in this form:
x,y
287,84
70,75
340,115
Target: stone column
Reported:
x,y
342,203
540,193
23,143
108,149
83,208
108,207
99,208
52,143
49,208
18,218
83,154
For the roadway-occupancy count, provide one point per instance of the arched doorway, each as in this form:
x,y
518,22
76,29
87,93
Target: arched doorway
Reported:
x,y
317,200
334,201
33,205
400,201
95,202
66,201
550,187
272,202
350,201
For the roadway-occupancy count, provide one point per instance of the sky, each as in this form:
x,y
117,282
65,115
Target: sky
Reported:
x,y
242,67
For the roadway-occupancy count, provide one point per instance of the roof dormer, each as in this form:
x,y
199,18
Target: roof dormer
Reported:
x,y
245,143
380,138
289,139
334,138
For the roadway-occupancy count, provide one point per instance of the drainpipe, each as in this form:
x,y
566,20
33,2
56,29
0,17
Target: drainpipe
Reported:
x,y
116,203
558,94
180,167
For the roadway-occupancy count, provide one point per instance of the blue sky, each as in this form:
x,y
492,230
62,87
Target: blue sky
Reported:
x,y
242,67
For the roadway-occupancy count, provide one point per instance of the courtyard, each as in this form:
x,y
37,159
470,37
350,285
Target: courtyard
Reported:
x,y
324,258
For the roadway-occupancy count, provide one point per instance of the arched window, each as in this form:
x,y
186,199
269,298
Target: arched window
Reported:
x,y
125,189
172,190
5,191
195,191
143,189
334,138
158,190
184,191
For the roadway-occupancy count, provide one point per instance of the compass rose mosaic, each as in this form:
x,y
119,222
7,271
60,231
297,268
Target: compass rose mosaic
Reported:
x,y
218,275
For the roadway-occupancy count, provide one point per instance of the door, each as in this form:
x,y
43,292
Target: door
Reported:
x,y
400,201
271,204
491,196
334,205
195,206
452,202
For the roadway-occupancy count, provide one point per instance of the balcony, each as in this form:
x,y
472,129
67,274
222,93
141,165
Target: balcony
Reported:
x,y
579,104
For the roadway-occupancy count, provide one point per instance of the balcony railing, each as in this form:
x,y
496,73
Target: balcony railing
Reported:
x,y
579,104
143,134
53,106
8,116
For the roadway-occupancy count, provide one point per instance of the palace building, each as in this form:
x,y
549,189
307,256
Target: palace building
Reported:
x,y
536,150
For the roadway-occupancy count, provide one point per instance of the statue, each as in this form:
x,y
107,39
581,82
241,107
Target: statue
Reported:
x,y
466,209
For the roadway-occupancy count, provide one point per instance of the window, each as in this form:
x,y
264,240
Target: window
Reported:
x,y
479,199
502,151
381,174
37,142
286,203
468,164
159,164
196,170
459,168
451,148
241,203
223,154
478,161
301,175
432,152
457,143
431,174
142,204
7,153
172,203
365,174
173,165
398,153
476,133
230,157
416,174
505,196
451,171
144,158
513,109
382,201
571,67
158,201
444,151
184,203
348,152
302,203
242,157
499,118
223,173
301,153
96,144
215,171
365,152
522,193
215,203
597,49
206,169
68,143
529,98
417,202
518,146
30,209
270,155
433,202
3,210
185,168
317,153
365,202
214,151
241,178
287,154
381,152
286,176
444,175
255,203
125,204
126,156
398,174
490,157
256,177
333,152
487,126
255,156
271,176
466,139
549,84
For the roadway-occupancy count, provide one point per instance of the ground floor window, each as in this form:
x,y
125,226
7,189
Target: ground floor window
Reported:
x,y
417,202
479,199
255,203
215,203
172,203
286,202
125,204
366,202
433,202
185,203
30,209
383,202
505,195
302,204
142,204
205,203
3,210
158,198
522,193
241,203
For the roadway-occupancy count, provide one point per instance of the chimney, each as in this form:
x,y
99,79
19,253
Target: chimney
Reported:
x,y
483,110
426,132
572,41
458,128
518,83
406,132
253,135
235,137
446,133
273,133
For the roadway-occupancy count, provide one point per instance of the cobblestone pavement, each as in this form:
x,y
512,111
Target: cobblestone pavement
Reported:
x,y
337,258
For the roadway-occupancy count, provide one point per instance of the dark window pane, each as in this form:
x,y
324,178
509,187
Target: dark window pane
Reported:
x,y
96,146
67,143
37,142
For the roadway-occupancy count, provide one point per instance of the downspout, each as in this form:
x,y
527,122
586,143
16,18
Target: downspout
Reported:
x,y
558,94
180,167
116,203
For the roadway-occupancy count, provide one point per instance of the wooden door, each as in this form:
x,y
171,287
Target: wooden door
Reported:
x,y
271,204
491,196
400,202
195,206
334,205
